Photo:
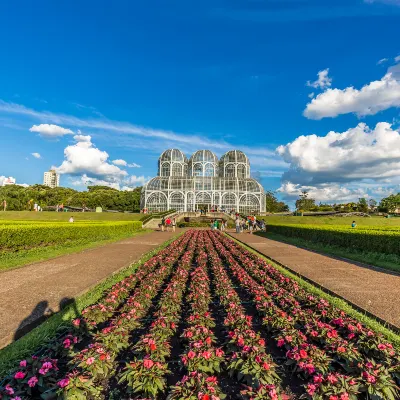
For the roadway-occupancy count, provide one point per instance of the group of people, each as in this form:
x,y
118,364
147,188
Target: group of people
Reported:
x,y
249,224
167,223
218,225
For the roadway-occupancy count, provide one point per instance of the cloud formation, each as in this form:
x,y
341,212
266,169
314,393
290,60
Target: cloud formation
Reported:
x,y
36,155
123,163
358,153
50,130
84,158
323,80
370,99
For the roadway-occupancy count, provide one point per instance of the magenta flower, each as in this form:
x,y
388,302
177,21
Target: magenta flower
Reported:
x,y
63,382
8,389
22,363
33,381
19,375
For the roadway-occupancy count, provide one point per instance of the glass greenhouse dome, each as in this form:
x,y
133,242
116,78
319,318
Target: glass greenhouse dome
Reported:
x,y
203,182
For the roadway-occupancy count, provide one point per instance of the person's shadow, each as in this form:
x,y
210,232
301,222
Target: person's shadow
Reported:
x,y
37,316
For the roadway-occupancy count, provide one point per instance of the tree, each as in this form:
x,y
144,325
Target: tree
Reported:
x,y
390,203
362,205
304,203
372,204
272,204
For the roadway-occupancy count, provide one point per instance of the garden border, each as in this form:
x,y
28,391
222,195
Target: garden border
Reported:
x,y
364,316
31,342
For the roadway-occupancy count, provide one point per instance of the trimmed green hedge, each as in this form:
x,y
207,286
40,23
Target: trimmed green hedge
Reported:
x,y
375,240
27,236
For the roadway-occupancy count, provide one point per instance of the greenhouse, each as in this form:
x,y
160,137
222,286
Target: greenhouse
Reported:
x,y
203,183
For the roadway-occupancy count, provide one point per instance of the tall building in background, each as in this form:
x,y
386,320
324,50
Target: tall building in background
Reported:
x,y
9,181
51,179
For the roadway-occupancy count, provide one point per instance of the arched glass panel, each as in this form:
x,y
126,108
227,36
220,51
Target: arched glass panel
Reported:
x,y
249,204
228,202
241,171
209,170
176,169
230,171
177,201
156,202
197,169
165,169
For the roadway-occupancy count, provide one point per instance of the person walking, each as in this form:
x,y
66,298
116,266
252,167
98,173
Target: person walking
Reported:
x,y
168,223
4,205
173,224
216,224
162,224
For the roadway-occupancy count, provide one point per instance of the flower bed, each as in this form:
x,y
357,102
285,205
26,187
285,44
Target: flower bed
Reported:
x,y
206,319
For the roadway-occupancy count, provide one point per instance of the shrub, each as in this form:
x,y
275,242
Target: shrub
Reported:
x,y
27,236
377,240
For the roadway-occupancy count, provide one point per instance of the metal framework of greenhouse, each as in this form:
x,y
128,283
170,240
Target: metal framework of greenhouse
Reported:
x,y
203,182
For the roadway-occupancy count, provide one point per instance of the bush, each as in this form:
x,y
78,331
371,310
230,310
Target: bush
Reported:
x,y
27,236
378,240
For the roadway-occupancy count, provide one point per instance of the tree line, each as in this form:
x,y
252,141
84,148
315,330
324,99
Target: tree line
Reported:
x,y
21,198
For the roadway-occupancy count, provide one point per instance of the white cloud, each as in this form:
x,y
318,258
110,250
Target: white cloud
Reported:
x,y
323,80
359,153
134,165
85,180
134,181
382,61
83,138
84,158
50,131
127,183
323,193
36,155
311,95
397,58
122,163
370,99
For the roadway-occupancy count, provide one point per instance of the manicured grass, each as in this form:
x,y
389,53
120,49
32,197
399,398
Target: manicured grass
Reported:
x,y
64,216
19,259
342,304
386,261
361,221
31,342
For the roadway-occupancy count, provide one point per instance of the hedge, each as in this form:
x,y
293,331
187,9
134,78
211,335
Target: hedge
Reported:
x,y
27,236
376,240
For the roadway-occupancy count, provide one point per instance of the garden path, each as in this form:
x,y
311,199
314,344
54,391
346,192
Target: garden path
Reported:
x,y
374,290
27,292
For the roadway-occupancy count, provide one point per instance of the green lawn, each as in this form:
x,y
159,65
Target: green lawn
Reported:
x,y
361,221
64,216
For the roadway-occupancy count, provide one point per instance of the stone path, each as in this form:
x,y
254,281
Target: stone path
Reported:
x,y
25,293
374,290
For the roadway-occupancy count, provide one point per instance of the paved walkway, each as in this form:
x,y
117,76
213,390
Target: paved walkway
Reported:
x,y
25,293
375,291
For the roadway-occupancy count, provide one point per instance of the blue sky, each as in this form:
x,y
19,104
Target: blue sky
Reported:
x,y
139,77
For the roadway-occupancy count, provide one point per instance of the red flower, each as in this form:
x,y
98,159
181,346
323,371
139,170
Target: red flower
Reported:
x,y
205,397
153,347
303,354
191,354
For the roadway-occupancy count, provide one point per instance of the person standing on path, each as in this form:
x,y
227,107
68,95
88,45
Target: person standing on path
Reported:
x,y
173,224
237,224
4,205
162,224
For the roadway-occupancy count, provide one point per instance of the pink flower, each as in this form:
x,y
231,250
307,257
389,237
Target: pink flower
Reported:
x,y
191,354
8,389
63,382
90,360
381,346
33,381
19,375
311,389
219,353
22,363
206,354
148,363
344,396
67,343
280,343
76,322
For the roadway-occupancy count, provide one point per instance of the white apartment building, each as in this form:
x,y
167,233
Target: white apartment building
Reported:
x,y
51,179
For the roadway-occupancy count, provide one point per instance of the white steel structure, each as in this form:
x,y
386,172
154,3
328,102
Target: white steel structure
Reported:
x,y
203,182
51,179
